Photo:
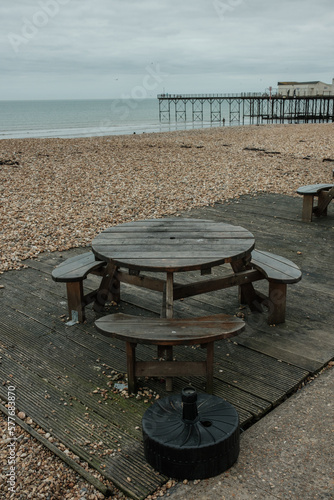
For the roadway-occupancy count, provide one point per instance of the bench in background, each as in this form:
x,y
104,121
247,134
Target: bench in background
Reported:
x,y
324,193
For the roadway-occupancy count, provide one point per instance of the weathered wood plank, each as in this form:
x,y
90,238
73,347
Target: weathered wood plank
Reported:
x,y
275,267
211,285
74,426
171,253
314,188
169,331
76,268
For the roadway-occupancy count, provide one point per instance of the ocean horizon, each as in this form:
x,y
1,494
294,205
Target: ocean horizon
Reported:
x,y
86,118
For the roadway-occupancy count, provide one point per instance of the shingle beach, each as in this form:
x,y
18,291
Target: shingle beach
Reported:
x,y
56,194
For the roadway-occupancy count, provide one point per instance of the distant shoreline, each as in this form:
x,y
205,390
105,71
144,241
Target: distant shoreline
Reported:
x,y
96,118
131,130
162,129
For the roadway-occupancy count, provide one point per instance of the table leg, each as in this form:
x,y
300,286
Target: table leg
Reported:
x,y
163,303
131,366
209,367
108,289
247,292
169,295
169,314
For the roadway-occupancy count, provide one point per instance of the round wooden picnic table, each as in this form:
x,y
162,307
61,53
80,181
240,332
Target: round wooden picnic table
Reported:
x,y
170,245
173,245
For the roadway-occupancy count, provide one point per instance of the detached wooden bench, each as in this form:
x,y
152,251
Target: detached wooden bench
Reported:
x,y
166,333
325,194
72,272
279,272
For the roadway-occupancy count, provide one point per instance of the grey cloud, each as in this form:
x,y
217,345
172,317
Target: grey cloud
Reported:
x,y
195,42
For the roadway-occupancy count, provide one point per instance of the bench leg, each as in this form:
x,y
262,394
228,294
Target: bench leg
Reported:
x,y
167,351
276,303
209,367
75,300
247,293
307,207
324,199
131,366
169,357
170,367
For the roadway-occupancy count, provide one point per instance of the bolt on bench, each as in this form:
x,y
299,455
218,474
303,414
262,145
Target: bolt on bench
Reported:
x,y
166,333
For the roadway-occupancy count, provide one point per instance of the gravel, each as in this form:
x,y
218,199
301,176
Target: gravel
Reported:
x,y
57,194
40,474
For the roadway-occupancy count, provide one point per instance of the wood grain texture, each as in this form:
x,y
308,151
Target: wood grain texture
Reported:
x,y
276,268
76,268
165,331
173,244
313,188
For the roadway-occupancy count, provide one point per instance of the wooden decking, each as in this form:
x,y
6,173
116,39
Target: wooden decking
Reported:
x,y
61,373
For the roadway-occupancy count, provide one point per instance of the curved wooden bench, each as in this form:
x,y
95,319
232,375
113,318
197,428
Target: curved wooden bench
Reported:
x,y
279,272
276,269
72,272
324,192
166,333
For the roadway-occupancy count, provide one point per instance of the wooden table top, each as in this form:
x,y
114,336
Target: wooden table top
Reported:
x,y
173,244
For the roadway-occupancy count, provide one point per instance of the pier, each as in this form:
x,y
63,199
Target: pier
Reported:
x,y
245,108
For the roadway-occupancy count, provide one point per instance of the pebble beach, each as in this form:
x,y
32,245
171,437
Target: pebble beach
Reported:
x,y
56,194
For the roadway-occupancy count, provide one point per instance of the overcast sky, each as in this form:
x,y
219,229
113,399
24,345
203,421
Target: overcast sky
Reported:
x,y
91,49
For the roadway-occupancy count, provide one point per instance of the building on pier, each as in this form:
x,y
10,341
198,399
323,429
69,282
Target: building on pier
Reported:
x,y
300,89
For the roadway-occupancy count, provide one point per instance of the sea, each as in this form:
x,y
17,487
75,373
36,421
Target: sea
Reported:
x,y
86,118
